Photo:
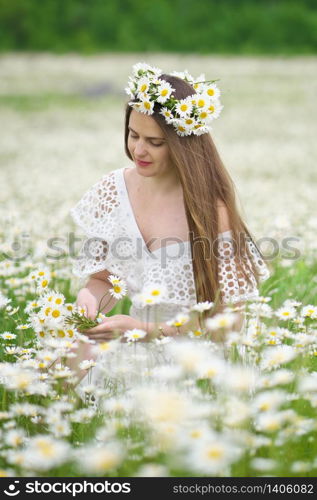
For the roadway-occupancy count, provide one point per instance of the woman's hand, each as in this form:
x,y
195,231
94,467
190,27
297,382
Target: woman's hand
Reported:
x,y
112,326
88,302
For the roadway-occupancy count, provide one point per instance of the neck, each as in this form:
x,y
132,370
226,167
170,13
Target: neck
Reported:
x,y
162,183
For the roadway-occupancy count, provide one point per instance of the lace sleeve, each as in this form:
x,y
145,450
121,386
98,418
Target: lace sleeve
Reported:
x,y
233,285
95,214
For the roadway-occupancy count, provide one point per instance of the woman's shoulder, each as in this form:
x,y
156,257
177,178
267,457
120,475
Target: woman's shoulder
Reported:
x,y
99,201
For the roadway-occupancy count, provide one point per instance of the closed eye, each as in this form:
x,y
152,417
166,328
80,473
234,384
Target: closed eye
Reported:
x,y
152,143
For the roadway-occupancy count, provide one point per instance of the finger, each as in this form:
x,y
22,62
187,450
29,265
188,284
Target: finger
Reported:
x,y
92,314
102,338
103,327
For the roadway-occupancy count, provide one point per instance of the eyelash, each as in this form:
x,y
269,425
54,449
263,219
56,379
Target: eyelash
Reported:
x,y
155,145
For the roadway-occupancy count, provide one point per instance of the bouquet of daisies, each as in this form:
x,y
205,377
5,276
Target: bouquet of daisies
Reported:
x,y
78,318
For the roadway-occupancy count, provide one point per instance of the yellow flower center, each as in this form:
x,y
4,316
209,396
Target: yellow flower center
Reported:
x,y
201,103
46,448
155,292
184,107
104,346
44,283
164,92
117,288
47,311
203,115
58,301
56,313
195,434
215,452
181,129
41,273
211,92
189,121
147,105
61,333
143,87
211,109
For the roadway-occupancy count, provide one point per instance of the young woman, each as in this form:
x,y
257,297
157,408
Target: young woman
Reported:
x,y
170,219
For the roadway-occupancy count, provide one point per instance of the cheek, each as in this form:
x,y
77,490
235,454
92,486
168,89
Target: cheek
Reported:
x,y
130,145
165,154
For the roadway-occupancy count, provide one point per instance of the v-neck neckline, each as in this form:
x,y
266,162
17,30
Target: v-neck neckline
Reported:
x,y
133,219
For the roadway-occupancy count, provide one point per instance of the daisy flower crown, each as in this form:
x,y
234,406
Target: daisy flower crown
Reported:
x,y
191,115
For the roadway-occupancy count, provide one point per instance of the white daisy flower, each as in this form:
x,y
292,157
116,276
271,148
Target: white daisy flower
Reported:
x,y
44,452
202,116
181,127
274,356
268,400
184,75
179,320
8,336
292,303
189,122
202,306
119,287
135,105
221,320
134,334
198,82
309,311
212,90
15,437
285,313
143,87
200,129
146,106
269,422
212,456
156,293
184,107
164,92
168,115
86,364
214,109
100,459
130,89
202,102
141,67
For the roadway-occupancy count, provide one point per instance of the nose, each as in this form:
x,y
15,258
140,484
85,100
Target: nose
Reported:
x,y
140,148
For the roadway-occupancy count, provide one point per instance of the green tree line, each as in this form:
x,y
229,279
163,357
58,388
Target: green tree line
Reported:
x,y
201,26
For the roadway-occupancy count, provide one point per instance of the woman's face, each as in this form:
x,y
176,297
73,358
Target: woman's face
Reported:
x,y
147,145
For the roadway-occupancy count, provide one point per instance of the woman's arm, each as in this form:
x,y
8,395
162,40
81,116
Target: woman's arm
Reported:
x,y
88,298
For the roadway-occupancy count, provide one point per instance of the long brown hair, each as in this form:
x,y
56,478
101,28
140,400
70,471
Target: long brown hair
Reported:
x,y
206,183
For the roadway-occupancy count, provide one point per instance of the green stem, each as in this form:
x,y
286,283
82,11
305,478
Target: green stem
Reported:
x,y
99,306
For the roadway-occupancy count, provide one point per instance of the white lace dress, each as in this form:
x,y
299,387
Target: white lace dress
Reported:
x,y
113,241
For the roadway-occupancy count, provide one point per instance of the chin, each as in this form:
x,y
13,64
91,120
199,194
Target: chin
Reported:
x,y
145,171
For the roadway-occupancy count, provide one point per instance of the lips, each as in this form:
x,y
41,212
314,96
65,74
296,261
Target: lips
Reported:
x,y
143,163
